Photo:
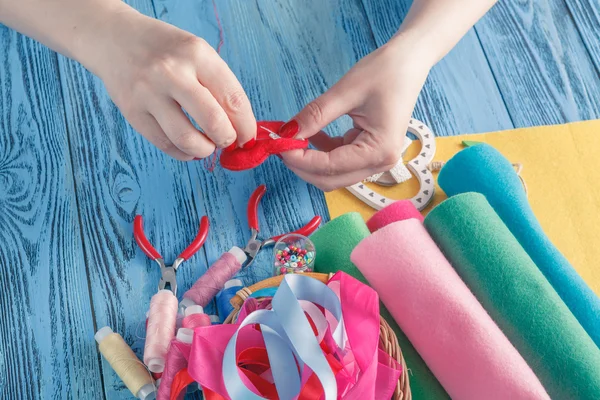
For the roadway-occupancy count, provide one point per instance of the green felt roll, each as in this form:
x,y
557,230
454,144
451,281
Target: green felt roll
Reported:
x,y
334,243
517,296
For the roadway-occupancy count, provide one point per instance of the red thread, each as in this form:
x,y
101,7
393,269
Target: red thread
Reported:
x,y
210,163
219,26
180,382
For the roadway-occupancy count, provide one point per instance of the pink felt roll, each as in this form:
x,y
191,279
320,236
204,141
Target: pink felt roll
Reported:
x,y
397,211
458,340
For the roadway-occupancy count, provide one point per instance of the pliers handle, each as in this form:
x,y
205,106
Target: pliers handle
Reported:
x,y
146,246
255,244
253,203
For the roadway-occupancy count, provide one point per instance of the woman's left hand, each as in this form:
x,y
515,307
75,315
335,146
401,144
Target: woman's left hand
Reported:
x,y
379,94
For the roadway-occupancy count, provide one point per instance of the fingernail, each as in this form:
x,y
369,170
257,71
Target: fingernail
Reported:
x,y
231,147
290,129
249,144
196,158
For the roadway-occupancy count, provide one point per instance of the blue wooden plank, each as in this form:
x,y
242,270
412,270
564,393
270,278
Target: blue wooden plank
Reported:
x,y
46,326
460,95
543,69
586,16
118,175
284,55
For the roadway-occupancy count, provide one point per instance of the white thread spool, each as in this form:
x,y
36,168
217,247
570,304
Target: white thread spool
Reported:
x,y
162,320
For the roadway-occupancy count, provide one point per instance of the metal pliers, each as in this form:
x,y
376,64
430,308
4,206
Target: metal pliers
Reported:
x,y
168,278
255,243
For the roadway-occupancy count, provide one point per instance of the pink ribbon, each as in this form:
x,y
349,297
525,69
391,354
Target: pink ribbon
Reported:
x,y
364,372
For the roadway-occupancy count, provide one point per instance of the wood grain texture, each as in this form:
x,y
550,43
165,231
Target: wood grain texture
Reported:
x,y
460,94
284,53
119,174
542,66
68,261
46,327
586,16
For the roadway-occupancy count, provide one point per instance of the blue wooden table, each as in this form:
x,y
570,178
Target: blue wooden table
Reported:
x,y
73,173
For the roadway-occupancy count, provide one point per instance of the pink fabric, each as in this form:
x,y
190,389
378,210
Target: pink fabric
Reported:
x,y
458,340
367,373
397,211
205,361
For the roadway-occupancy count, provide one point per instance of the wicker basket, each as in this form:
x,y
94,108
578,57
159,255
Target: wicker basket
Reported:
x,y
387,338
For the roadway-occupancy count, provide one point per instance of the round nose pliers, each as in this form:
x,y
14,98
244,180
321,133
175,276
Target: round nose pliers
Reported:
x,y
255,243
168,279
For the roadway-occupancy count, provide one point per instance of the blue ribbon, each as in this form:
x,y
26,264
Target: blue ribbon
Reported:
x,y
223,300
266,292
289,340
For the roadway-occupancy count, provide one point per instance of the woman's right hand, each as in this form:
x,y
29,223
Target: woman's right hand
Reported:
x,y
152,70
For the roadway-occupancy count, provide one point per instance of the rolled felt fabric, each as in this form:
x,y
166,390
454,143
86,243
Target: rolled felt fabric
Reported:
x,y
334,243
397,211
517,296
484,170
456,337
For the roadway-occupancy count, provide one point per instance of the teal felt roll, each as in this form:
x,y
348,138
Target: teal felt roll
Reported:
x,y
517,296
484,170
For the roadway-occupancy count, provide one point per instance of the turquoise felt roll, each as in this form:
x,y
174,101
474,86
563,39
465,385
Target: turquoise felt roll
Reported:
x,y
484,170
334,243
517,296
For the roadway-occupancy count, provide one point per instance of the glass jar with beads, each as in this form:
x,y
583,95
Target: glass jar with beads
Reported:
x,y
293,254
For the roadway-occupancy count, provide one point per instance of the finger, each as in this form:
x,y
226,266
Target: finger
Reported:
x,y
329,183
326,108
364,153
147,126
207,112
323,142
180,131
228,92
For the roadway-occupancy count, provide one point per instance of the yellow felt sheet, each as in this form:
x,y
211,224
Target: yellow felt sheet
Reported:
x,y
561,164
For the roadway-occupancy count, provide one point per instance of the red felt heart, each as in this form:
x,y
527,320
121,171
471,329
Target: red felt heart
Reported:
x,y
268,142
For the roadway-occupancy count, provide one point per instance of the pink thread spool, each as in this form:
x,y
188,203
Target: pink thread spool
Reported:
x,y
209,284
162,318
175,362
195,317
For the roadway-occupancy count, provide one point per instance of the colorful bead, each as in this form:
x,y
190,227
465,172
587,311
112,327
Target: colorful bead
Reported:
x,y
293,257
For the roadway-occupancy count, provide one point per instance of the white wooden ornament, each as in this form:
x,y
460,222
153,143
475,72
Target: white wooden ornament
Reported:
x,y
418,167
